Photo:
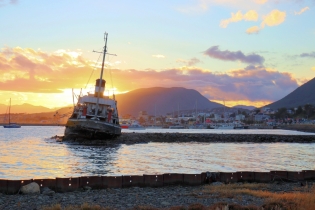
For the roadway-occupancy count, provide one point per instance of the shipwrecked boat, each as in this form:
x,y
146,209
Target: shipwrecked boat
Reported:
x,y
95,116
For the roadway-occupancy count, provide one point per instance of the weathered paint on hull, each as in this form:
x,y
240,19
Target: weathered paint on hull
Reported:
x,y
91,129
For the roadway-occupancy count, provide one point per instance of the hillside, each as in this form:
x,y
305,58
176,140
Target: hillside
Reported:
x,y
25,108
299,97
166,100
59,116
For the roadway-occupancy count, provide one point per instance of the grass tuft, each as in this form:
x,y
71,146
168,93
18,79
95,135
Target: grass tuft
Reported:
x,y
276,201
84,206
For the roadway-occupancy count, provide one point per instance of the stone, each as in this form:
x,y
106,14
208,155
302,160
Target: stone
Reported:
x,y
87,188
217,183
31,188
164,203
48,192
43,189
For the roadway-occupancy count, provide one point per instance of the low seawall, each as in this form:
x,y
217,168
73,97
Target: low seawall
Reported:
x,y
136,138
300,127
158,180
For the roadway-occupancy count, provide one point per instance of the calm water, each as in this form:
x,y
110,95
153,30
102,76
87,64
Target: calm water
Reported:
x,y
29,152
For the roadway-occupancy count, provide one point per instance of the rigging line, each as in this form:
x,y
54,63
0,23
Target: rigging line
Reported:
x,y
110,74
93,70
109,69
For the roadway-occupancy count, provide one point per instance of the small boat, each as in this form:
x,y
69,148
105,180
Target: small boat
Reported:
x,y
136,126
176,127
224,126
124,124
11,124
154,127
95,115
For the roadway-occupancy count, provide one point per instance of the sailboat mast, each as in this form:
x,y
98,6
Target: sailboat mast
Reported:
x,y
155,115
9,110
101,76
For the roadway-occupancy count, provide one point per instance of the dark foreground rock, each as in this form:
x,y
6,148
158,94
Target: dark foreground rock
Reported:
x,y
137,138
128,198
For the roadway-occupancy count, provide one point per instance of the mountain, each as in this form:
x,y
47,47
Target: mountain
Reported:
x,y
25,108
163,100
244,107
299,97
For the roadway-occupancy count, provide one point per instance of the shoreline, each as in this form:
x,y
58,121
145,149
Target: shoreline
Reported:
x,y
309,128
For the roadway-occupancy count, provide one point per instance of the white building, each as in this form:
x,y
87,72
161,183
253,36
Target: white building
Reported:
x,y
261,117
240,117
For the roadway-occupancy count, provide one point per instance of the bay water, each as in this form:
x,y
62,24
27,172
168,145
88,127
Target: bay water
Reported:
x,y
29,152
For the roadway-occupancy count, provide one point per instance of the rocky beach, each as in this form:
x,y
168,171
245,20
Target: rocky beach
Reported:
x,y
213,196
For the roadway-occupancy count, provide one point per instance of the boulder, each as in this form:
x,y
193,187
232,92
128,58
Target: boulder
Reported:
x,y
30,188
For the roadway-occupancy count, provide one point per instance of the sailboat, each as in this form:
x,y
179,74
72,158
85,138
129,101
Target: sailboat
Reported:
x,y
11,124
154,126
95,116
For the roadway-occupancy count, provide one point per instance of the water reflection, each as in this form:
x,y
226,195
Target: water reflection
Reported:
x,y
29,153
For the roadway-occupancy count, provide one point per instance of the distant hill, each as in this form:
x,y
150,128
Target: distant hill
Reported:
x,y
166,100
299,97
25,108
244,107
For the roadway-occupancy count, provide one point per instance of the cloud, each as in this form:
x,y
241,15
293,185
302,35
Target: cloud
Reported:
x,y
158,56
261,1
204,5
26,70
253,30
274,18
253,58
252,83
5,2
302,11
313,68
191,62
37,71
251,15
308,55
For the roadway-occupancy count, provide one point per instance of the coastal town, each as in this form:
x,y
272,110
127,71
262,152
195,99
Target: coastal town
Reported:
x,y
186,118
205,118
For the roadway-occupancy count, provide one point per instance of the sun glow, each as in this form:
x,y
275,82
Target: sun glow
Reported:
x,y
243,102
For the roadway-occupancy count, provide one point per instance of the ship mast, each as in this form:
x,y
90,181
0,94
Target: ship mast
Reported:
x,y
9,111
101,76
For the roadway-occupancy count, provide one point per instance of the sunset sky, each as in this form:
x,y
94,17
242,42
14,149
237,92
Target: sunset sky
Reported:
x,y
249,52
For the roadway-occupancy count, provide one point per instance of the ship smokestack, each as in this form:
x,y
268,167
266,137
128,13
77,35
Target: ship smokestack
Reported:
x,y
102,89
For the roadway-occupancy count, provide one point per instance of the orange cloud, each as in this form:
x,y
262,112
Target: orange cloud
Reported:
x,y
244,102
36,71
27,71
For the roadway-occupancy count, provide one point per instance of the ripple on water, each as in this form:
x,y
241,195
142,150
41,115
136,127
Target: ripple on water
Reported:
x,y
29,153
